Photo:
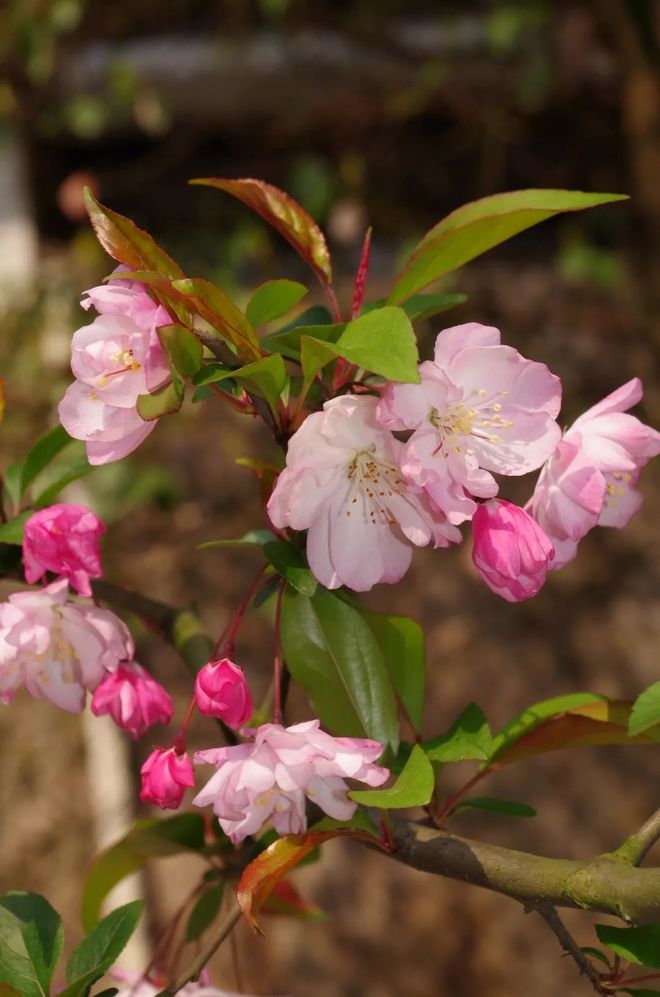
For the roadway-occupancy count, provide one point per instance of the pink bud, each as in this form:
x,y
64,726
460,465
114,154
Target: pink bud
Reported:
x,y
134,699
511,551
165,777
64,539
221,691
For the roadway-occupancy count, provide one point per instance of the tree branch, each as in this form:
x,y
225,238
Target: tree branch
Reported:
x,y
637,845
606,884
570,946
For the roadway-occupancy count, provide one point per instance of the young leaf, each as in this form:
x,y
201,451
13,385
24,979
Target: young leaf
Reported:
x,y
216,308
402,642
468,738
639,945
147,839
266,377
163,401
289,561
31,940
204,912
284,214
478,226
361,275
126,243
535,715
289,342
506,807
595,954
274,299
646,710
383,342
333,654
413,788
286,901
183,349
102,946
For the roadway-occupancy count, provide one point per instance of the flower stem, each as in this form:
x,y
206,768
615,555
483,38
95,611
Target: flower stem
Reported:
x,y
224,646
278,661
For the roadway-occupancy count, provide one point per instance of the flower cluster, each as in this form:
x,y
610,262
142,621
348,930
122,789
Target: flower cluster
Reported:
x,y
479,409
115,359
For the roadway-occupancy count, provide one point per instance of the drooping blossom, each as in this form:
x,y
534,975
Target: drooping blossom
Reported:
x,y
343,484
115,359
133,699
480,407
64,539
166,775
590,479
271,777
510,550
57,649
221,691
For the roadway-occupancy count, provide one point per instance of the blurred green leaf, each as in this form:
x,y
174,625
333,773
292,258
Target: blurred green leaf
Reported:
x,y
506,807
21,475
413,788
204,912
638,945
468,738
31,941
402,642
12,531
274,299
253,538
646,710
71,466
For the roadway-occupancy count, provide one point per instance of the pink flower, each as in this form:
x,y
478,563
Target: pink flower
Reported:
x,y
139,987
480,408
115,359
342,483
270,778
134,699
590,478
221,691
511,551
58,650
64,539
166,775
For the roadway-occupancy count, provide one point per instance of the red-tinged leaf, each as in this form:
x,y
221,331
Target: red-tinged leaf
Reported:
x,y
284,214
361,275
260,878
125,242
286,901
600,722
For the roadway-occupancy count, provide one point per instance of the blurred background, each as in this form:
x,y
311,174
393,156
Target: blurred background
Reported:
x,y
386,113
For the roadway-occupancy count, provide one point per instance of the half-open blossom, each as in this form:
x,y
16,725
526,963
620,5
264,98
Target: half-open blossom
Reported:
x,y
133,699
590,479
221,691
343,484
271,777
166,775
115,359
58,650
480,408
64,539
510,550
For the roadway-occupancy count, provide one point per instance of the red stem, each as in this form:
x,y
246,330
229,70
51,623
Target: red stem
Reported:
x,y
361,275
633,980
278,662
452,801
224,646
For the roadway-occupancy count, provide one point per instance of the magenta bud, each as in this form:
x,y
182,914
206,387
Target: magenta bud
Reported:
x,y
511,552
221,691
165,777
133,699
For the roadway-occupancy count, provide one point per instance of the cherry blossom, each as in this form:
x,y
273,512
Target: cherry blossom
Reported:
x,y
343,484
511,552
133,699
271,777
166,775
57,649
137,986
64,539
480,408
221,691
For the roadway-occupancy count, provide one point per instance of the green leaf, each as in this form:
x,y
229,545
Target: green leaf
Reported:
x,y
183,349
290,562
422,306
147,839
402,642
289,342
204,912
646,711
284,214
534,715
267,377
595,954
126,243
71,466
164,401
253,538
413,788
468,738
12,531
639,993
101,948
382,341
274,299
478,226
507,807
31,940
21,475
332,652
638,945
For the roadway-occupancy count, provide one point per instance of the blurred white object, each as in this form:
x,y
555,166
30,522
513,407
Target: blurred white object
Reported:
x,y
18,236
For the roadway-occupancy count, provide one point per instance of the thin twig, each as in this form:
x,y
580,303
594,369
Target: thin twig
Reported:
x,y
197,966
570,946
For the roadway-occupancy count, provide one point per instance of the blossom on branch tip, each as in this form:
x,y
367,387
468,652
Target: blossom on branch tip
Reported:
x,y
480,407
510,550
64,539
166,775
343,484
57,649
133,699
271,777
221,691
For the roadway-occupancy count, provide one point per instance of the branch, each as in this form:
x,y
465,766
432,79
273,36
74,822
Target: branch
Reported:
x,y
570,946
637,845
606,884
225,929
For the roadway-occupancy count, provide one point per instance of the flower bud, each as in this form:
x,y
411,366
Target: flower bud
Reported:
x,y
511,551
63,538
134,699
165,777
221,691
